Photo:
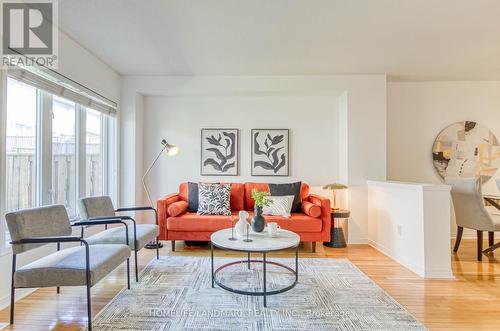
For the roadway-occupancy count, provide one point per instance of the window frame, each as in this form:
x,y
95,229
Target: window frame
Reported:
x,y
43,167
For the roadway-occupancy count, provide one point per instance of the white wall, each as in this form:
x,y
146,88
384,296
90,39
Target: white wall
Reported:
x,y
418,111
411,223
362,110
312,120
83,67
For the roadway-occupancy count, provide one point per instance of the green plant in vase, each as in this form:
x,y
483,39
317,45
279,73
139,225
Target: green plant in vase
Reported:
x,y
261,199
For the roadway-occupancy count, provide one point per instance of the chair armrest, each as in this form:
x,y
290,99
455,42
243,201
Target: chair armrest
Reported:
x,y
326,210
43,240
134,209
98,222
145,208
104,218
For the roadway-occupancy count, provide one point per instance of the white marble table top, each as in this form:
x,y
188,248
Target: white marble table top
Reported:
x,y
261,241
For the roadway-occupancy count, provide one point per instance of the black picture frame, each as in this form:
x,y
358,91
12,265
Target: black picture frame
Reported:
x,y
210,168
261,172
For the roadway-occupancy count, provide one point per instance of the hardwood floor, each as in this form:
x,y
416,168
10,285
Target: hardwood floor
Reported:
x,y
469,302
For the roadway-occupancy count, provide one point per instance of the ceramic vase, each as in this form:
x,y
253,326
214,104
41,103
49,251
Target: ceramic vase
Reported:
x,y
258,222
241,226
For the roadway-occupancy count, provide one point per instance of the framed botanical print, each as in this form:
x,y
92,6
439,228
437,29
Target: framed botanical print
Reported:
x,y
270,152
219,152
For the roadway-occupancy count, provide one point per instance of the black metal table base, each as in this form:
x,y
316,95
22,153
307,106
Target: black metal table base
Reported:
x,y
264,293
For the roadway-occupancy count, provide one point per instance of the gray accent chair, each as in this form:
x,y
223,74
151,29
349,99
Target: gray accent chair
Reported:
x,y
471,213
101,208
82,265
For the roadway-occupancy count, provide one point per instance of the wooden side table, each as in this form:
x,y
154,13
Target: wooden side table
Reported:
x,y
337,237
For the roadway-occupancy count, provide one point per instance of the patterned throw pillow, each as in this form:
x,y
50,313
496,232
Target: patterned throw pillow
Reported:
x,y
281,206
213,199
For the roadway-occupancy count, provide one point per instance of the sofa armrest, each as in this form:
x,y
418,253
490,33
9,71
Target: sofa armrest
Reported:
x,y
324,203
163,203
162,206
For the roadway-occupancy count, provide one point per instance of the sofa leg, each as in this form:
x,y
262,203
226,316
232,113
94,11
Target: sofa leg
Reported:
x,y
314,247
173,245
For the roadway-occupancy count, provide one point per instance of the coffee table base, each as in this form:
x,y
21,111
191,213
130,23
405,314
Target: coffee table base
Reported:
x,y
264,262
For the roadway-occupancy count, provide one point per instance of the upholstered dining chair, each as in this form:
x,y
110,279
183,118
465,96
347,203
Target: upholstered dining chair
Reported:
x,y
101,208
471,213
76,266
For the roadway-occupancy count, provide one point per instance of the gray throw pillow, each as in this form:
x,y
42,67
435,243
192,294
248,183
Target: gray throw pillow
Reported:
x,y
213,199
193,197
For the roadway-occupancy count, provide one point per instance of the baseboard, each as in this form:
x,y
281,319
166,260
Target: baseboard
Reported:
x,y
20,293
357,241
419,271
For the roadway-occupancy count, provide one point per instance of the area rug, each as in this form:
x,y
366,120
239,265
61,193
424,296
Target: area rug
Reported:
x,y
175,293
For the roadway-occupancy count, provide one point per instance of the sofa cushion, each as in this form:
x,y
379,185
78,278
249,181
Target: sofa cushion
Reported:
x,y
67,267
237,200
199,223
249,202
311,209
177,208
289,189
213,199
298,222
192,222
144,234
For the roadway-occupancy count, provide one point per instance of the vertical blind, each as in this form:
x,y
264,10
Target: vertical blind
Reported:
x,y
55,83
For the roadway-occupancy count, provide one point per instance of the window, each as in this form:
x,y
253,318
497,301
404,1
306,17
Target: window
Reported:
x,y
64,153
21,133
56,149
93,148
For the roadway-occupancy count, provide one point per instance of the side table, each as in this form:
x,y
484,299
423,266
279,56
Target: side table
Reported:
x,y
337,237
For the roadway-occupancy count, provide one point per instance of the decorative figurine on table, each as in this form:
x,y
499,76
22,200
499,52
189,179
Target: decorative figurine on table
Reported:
x,y
241,225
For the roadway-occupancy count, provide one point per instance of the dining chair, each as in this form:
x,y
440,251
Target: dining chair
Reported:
x,y
471,213
82,265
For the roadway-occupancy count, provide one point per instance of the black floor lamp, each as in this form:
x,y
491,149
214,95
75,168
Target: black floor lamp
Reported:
x,y
171,150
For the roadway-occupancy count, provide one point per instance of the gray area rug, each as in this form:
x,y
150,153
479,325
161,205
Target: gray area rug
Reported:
x,y
175,293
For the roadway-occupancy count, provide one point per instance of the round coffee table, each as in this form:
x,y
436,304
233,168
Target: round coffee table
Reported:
x,y
260,243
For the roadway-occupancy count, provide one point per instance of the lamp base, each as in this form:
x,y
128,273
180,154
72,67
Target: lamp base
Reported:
x,y
153,245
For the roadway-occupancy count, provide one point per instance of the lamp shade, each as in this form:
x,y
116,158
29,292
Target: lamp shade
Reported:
x,y
171,149
335,186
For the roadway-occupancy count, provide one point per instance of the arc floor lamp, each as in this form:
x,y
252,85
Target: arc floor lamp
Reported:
x,y
171,150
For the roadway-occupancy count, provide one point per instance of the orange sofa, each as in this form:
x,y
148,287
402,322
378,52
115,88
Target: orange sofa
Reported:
x,y
176,223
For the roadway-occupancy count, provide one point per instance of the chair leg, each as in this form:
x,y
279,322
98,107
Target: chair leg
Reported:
x,y
173,245
89,308
157,248
460,231
491,238
136,268
479,245
12,290
128,274
314,247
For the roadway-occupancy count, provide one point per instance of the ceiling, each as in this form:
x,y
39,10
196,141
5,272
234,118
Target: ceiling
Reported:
x,y
406,39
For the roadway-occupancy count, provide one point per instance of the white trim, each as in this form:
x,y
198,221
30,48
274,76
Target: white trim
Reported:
x,y
80,151
4,249
410,185
44,151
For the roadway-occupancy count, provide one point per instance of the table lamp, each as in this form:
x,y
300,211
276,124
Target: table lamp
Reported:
x,y
334,187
